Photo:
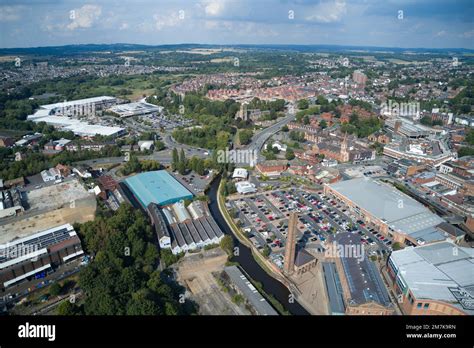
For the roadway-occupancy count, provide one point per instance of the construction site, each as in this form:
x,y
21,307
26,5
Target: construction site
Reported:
x,y
50,206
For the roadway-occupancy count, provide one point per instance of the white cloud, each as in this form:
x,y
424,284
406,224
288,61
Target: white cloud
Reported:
x,y
124,26
10,13
242,29
163,21
84,17
467,34
327,12
440,33
214,7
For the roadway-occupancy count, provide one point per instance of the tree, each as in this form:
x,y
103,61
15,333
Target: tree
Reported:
x,y
159,145
470,137
245,136
55,289
132,166
290,154
167,257
119,283
182,163
200,167
323,124
175,160
303,104
266,251
227,244
297,136
396,246
67,308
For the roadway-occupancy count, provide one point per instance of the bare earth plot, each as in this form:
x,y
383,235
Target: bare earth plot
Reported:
x,y
195,272
49,207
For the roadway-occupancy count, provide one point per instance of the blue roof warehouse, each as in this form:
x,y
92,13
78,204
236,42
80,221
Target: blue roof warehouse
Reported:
x,y
157,187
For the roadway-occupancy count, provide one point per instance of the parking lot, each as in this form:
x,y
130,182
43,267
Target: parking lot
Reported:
x,y
167,122
194,182
264,217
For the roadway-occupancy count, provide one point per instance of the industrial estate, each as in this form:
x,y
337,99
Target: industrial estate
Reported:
x,y
236,180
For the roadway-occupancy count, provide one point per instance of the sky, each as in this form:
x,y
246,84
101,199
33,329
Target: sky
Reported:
x,y
383,23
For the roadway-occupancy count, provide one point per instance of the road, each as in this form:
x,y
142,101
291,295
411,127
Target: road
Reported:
x,y
259,138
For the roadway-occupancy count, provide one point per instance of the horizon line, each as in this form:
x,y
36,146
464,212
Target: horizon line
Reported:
x,y
238,44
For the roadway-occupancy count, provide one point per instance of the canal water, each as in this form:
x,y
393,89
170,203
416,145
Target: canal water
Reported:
x,y
248,263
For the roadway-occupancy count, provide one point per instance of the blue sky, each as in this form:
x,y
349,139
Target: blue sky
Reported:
x,y
402,23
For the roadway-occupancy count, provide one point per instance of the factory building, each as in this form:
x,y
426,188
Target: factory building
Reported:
x,y
158,187
26,258
182,228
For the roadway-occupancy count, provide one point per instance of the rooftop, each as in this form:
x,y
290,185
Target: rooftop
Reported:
x,y
138,108
158,187
251,293
399,211
438,271
363,278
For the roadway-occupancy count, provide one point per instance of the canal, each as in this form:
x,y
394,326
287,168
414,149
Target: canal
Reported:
x,y
248,263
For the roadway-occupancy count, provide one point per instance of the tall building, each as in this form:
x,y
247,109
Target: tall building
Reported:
x,y
344,152
359,77
290,245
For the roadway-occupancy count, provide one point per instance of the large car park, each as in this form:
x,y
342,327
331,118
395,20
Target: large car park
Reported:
x,y
265,216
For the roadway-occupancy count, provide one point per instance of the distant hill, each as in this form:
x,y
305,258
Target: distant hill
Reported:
x,y
80,49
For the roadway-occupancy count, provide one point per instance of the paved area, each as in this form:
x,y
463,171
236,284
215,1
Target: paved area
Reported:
x,y
195,272
313,290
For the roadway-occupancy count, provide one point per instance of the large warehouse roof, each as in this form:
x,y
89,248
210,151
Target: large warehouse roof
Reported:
x,y
158,187
78,102
399,211
440,271
132,109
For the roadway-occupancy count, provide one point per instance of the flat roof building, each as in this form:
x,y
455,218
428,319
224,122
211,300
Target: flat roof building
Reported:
x,y
363,288
61,115
334,289
244,187
25,257
135,109
158,187
393,212
240,281
435,279
240,174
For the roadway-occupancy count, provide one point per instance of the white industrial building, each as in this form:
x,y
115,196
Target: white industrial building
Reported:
x,y
245,187
146,145
135,109
60,115
182,228
240,174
